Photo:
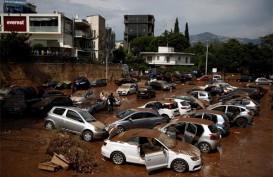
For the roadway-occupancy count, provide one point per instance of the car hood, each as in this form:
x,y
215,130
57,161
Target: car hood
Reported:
x,y
110,120
98,124
186,148
77,98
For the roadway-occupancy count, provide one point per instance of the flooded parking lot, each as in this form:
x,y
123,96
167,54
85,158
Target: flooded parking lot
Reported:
x,y
245,152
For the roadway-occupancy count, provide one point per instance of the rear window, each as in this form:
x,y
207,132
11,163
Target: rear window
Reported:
x,y
59,111
213,128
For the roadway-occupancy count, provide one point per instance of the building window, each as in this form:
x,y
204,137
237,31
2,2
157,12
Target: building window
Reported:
x,y
157,57
186,59
149,59
43,24
168,59
179,58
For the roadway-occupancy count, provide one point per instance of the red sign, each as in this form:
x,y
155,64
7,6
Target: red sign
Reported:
x,y
15,24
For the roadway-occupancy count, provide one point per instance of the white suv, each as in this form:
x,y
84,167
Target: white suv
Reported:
x,y
183,106
168,110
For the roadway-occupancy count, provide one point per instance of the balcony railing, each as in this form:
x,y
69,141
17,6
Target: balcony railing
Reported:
x,y
43,29
80,33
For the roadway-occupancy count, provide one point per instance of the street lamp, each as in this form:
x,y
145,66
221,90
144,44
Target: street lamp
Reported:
x,y
206,71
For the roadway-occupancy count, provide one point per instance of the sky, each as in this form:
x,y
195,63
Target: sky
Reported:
x,y
230,18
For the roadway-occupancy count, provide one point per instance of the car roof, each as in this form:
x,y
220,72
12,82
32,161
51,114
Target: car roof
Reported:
x,y
136,132
193,120
144,109
209,111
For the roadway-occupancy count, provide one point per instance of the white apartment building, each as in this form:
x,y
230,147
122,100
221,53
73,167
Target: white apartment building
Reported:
x,y
167,57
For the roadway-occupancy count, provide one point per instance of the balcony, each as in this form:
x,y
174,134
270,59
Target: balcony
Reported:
x,y
43,29
82,34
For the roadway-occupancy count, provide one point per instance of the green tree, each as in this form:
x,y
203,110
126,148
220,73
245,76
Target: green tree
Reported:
x,y
187,36
15,46
176,26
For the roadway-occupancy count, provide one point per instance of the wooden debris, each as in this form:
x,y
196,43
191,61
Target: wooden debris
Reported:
x,y
60,160
49,166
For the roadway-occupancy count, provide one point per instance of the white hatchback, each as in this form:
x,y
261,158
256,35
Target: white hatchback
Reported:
x,y
153,149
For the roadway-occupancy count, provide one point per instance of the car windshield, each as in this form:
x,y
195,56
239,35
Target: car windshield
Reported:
x,y
87,116
167,141
125,86
79,94
125,113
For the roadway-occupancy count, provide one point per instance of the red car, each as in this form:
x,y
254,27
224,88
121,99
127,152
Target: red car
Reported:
x,y
203,78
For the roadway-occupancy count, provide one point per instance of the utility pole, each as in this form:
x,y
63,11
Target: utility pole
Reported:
x,y
206,71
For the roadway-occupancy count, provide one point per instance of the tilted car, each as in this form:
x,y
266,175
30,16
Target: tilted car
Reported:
x,y
202,133
47,103
219,118
194,102
92,105
153,149
134,118
127,89
80,96
238,115
75,120
167,109
13,105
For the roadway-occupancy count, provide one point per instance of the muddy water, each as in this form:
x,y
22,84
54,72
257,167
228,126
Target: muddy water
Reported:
x,y
245,152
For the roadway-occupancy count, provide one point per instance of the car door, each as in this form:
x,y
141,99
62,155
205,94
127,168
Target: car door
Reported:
x,y
135,121
190,132
73,122
157,159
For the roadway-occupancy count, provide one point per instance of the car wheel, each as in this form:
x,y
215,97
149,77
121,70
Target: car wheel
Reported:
x,y
118,158
49,125
93,111
204,147
87,136
180,165
241,122
166,117
120,129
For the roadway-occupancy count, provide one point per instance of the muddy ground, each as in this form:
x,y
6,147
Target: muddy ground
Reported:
x,y
245,152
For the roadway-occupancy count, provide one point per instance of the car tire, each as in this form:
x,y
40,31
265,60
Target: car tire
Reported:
x,y
49,125
87,136
180,166
166,118
120,129
118,158
241,122
93,111
204,147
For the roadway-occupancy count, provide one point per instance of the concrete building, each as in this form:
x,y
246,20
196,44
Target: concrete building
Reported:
x,y
167,57
18,6
55,33
136,26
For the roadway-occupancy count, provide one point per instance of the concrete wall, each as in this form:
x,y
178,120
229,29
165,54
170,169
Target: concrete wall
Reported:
x,y
36,74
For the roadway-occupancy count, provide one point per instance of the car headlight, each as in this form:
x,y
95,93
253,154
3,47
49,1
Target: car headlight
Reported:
x,y
195,158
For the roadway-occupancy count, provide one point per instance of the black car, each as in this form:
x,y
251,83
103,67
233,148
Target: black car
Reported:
x,y
245,79
215,90
145,92
81,83
160,85
119,82
47,103
98,83
14,105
